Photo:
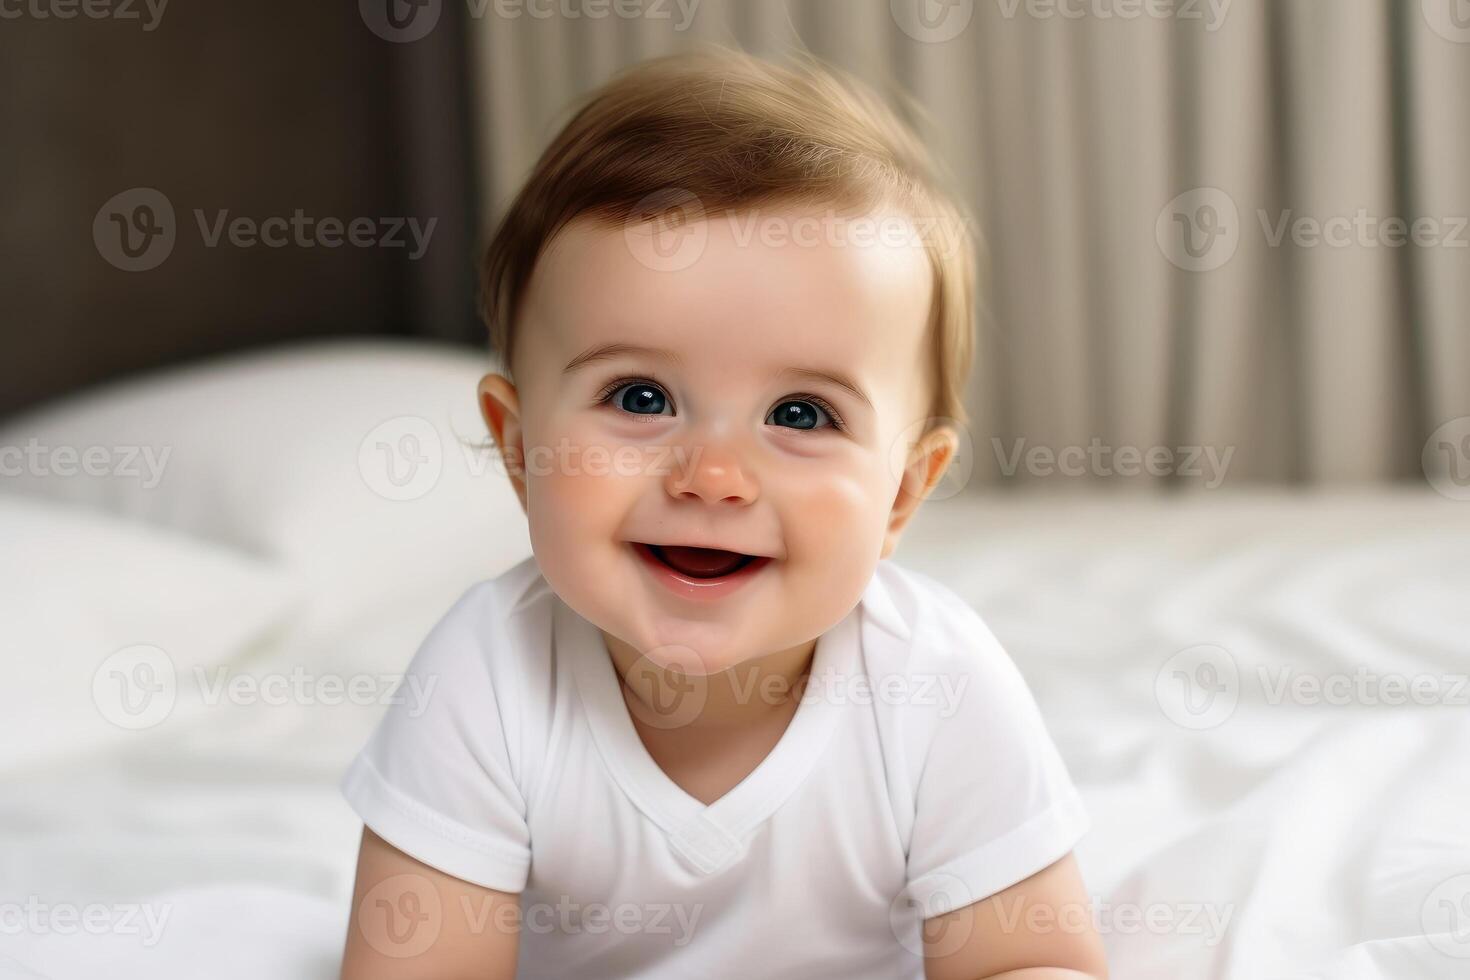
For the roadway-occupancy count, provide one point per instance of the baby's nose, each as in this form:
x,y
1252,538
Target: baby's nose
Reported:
x,y
713,474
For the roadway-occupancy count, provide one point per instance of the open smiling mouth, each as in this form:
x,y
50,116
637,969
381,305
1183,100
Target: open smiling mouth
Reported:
x,y
702,571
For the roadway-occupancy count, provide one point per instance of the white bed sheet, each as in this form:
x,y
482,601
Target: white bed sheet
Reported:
x,y
1288,841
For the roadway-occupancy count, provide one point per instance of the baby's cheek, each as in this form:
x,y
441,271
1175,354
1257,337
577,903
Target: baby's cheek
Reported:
x,y
570,470
574,518
838,505
561,506
834,528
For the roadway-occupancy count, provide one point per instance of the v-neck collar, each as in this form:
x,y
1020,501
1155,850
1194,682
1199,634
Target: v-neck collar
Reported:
x,y
709,836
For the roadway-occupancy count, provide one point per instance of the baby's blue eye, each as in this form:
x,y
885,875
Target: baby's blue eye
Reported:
x,y
641,398
798,415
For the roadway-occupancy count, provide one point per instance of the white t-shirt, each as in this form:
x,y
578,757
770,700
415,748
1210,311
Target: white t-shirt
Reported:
x,y
914,778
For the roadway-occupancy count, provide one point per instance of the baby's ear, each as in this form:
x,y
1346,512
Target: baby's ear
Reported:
x,y
925,464
500,404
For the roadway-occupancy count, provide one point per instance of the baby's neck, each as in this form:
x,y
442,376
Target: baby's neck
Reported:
x,y
748,692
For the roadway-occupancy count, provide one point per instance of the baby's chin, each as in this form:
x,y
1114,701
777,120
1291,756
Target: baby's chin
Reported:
x,y
695,638
694,648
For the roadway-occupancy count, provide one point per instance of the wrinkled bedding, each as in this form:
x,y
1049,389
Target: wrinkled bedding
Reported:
x,y
1261,698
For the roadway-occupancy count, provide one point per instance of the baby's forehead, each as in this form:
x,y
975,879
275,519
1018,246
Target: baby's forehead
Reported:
x,y
782,281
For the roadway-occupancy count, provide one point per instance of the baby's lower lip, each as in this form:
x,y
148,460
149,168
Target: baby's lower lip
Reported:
x,y
697,588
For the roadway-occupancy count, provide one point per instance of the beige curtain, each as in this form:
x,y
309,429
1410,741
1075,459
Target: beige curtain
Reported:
x,y
1092,137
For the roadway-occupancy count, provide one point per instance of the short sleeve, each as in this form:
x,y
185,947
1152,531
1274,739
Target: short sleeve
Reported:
x,y
435,778
994,803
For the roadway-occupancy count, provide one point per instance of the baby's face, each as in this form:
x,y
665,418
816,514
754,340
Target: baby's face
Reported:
x,y
757,400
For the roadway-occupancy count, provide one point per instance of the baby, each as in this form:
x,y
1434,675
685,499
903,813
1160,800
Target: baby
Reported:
x,y
709,730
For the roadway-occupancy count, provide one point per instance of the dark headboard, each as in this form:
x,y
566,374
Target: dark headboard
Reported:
x,y
257,110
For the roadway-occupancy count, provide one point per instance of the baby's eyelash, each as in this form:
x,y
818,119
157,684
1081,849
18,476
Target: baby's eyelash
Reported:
x,y
821,403
605,393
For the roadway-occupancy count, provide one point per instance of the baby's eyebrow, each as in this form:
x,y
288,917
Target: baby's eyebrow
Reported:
x,y
604,352
840,380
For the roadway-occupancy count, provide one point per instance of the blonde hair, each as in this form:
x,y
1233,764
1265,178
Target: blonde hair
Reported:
x,y
730,132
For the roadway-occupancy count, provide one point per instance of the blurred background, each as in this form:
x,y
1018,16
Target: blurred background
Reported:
x,y
1223,223
1218,465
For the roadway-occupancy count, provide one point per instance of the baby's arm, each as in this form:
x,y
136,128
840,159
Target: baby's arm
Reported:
x,y
1037,929
412,922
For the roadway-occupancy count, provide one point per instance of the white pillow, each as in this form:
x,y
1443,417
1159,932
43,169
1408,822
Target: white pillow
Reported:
x,y
349,461
102,623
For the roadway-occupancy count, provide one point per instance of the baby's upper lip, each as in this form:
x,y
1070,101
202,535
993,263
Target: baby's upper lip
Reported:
x,y
686,543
